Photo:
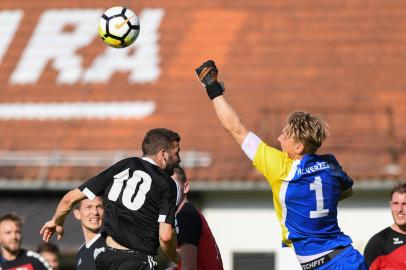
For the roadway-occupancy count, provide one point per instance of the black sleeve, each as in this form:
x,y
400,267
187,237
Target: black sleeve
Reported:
x,y
98,183
190,227
373,249
167,202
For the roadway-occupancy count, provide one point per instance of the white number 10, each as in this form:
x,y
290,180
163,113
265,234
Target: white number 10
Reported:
x,y
139,178
318,187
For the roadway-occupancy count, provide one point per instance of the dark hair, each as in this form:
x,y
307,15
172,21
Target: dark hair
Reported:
x,y
12,217
158,139
400,187
181,173
48,247
78,204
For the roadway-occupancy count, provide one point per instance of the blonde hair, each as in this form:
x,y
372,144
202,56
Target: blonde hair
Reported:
x,y
307,129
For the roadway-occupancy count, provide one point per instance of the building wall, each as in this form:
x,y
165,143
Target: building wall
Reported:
x,y
247,223
64,93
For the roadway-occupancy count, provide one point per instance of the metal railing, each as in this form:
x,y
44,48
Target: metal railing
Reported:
x,y
45,160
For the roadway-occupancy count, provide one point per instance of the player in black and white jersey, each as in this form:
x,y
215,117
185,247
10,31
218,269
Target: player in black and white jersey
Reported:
x,y
14,257
90,213
139,199
50,252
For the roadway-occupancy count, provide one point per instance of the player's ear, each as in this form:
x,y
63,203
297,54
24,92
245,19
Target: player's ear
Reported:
x,y
76,213
186,187
299,147
166,156
159,158
161,155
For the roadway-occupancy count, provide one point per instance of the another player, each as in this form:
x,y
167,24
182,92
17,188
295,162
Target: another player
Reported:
x,y
14,257
90,213
306,187
198,248
386,250
50,252
139,199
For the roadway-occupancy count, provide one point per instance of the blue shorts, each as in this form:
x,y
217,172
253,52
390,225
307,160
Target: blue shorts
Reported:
x,y
348,259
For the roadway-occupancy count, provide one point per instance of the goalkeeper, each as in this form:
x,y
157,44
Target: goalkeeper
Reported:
x,y
306,187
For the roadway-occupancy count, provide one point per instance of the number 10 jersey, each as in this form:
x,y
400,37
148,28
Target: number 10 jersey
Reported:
x,y
137,196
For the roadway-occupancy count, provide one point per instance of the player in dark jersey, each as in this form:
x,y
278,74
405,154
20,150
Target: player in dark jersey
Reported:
x,y
90,213
306,187
386,250
139,201
50,252
14,257
198,248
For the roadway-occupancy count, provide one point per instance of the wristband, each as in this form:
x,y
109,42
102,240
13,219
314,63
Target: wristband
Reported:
x,y
214,90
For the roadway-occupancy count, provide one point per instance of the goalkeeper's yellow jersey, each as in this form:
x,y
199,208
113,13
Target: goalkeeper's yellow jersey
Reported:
x,y
305,196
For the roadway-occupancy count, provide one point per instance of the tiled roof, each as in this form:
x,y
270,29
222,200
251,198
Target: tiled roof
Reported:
x,y
342,60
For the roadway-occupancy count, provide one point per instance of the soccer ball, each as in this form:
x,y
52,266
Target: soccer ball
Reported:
x,y
119,27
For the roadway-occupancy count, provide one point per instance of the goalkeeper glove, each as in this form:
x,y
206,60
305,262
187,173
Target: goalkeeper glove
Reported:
x,y
207,74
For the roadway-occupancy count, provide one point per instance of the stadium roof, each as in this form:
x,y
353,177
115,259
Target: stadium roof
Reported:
x,y
70,106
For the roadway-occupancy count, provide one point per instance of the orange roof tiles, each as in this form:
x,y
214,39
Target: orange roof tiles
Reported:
x,y
340,59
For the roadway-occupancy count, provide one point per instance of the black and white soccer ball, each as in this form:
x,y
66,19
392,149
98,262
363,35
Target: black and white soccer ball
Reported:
x,y
119,27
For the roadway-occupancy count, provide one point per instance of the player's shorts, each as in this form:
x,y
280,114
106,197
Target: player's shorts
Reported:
x,y
119,259
347,259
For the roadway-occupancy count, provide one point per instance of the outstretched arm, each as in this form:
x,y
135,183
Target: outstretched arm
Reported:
x,y
62,210
229,119
346,194
207,74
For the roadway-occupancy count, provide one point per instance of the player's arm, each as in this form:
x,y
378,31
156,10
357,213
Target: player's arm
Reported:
x,y
346,194
269,161
342,177
91,188
167,209
229,119
62,210
207,74
372,251
346,183
167,241
188,253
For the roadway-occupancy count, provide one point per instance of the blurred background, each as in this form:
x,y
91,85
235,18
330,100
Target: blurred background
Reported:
x,y
71,106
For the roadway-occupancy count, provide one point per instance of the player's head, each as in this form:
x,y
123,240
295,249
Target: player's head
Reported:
x,y
90,213
398,205
302,134
162,145
50,252
10,233
179,176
